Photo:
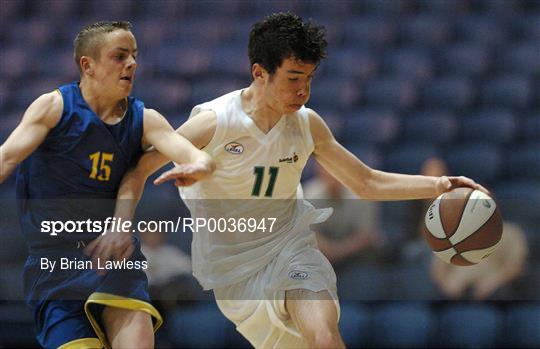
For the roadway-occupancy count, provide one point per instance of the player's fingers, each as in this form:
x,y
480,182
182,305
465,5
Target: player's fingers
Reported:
x,y
168,175
89,249
127,252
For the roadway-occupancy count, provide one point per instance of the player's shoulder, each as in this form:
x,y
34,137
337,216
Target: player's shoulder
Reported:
x,y
47,108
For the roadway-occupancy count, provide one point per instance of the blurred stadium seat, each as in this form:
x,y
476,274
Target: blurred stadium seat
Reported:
x,y
469,59
454,92
373,125
404,325
408,157
497,126
414,63
470,326
431,126
523,326
479,161
514,91
426,30
393,92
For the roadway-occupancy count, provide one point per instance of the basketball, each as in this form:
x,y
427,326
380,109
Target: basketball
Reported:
x,y
463,226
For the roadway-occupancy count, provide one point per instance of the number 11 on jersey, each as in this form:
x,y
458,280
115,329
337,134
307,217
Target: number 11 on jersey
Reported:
x,y
258,171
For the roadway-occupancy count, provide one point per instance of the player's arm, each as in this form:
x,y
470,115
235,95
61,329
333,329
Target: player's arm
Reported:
x,y
194,164
373,184
40,117
194,134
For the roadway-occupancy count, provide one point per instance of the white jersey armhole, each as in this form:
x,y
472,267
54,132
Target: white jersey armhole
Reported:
x,y
221,127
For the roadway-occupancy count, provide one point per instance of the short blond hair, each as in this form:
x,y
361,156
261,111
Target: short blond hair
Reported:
x,y
89,40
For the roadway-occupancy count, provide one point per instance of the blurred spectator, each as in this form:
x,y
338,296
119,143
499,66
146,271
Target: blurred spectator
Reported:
x,y
351,233
487,279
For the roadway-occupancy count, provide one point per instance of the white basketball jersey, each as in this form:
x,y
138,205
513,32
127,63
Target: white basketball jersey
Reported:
x,y
257,177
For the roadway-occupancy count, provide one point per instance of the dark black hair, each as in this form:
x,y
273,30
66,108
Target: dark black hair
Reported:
x,y
283,35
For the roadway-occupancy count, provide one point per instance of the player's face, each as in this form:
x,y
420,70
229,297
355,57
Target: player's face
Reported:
x,y
115,69
290,86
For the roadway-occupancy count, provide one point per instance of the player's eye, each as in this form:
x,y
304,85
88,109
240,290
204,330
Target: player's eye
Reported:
x,y
293,79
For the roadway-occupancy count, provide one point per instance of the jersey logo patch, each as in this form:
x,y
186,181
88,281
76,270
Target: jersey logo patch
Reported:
x,y
290,159
298,275
234,148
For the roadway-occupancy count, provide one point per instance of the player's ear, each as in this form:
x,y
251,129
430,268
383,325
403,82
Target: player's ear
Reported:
x,y
258,72
86,65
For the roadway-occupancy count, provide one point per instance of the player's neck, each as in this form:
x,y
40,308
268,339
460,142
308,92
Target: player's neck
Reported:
x,y
258,109
110,110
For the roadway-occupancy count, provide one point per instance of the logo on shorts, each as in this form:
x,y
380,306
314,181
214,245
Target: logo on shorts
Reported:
x,y
234,148
298,275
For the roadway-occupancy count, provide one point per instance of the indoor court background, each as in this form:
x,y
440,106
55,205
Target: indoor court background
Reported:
x,y
404,80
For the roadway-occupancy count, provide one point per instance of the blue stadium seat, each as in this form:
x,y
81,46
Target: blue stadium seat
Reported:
x,y
207,31
351,62
523,161
470,326
432,126
408,157
412,281
198,326
212,9
166,96
17,325
334,118
27,94
11,279
443,6
425,30
469,59
525,26
411,63
230,61
38,33
184,62
151,34
60,65
383,7
17,62
369,31
489,125
361,283
376,125
113,9
514,91
523,326
448,92
480,29
207,90
520,199
391,92
404,325
334,93
530,127
520,58
354,324
263,8
367,154
479,161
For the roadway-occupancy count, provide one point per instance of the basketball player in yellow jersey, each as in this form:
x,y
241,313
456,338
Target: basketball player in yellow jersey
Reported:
x,y
278,289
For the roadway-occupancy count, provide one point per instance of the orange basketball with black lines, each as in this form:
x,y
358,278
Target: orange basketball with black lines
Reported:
x,y
463,226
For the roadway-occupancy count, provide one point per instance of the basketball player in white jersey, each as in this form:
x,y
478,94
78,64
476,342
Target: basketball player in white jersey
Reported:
x,y
276,286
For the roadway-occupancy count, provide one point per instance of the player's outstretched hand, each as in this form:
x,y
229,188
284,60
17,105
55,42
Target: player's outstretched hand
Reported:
x,y
112,245
445,184
184,175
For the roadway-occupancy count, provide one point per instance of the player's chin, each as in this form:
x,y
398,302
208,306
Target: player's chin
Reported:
x,y
294,107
